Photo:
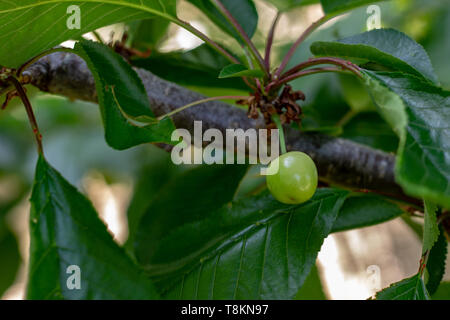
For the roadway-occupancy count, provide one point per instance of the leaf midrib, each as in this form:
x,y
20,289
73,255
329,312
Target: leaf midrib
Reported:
x,y
237,235
111,2
415,288
250,230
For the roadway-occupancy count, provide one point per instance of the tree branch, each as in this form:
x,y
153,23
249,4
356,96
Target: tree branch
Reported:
x,y
339,161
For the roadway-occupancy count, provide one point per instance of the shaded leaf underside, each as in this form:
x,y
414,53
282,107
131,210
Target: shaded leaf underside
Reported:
x,y
65,230
253,249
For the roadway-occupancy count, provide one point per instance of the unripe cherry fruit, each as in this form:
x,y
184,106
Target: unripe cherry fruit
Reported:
x,y
296,179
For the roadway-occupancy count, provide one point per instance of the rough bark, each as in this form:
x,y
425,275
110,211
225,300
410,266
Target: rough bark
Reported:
x,y
339,161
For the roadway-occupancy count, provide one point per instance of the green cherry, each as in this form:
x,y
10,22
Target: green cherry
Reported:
x,y
296,179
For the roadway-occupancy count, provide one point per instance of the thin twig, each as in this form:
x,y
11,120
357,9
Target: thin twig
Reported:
x,y
323,60
292,74
207,40
338,160
302,74
200,102
270,38
294,47
250,63
30,113
243,35
212,44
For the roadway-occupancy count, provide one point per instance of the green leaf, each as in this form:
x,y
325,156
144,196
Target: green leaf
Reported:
x,y
435,268
244,11
325,107
285,5
148,33
419,114
239,70
430,228
343,27
252,183
121,94
365,210
387,47
443,292
333,7
187,197
370,129
197,67
355,94
312,288
65,230
150,180
408,289
435,38
29,27
116,74
253,248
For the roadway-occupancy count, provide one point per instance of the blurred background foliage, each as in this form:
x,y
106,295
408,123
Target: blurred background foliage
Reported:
x,y
73,133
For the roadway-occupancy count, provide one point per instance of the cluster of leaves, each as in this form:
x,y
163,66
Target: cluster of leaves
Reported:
x,y
252,247
222,246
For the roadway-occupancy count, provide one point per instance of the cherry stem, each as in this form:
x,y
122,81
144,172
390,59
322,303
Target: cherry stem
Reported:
x,y
270,40
30,113
301,74
324,60
298,71
207,40
213,45
277,121
297,43
308,72
243,35
200,102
